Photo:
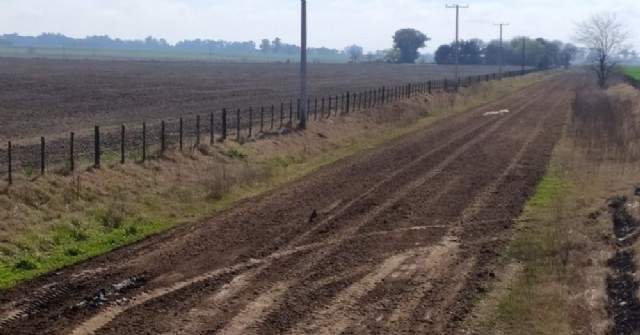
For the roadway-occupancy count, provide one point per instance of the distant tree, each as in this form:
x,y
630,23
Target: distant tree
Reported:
x,y
408,42
354,52
392,55
444,54
370,57
276,45
471,52
265,46
605,35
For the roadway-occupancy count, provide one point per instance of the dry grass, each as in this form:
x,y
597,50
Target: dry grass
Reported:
x,y
561,245
56,220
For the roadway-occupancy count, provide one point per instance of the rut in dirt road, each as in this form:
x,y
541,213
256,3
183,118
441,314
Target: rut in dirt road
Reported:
x,y
404,239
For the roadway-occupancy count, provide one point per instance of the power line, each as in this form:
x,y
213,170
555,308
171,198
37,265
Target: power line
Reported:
x,y
501,49
457,47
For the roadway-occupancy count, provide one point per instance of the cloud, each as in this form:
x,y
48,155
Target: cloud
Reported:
x,y
332,23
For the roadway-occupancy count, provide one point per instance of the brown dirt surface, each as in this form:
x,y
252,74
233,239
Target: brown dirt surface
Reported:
x,y
406,239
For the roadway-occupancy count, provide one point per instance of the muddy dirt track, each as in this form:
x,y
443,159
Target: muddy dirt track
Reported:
x,y
406,239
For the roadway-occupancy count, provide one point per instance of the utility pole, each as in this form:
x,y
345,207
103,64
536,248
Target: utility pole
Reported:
x,y
501,49
457,48
303,69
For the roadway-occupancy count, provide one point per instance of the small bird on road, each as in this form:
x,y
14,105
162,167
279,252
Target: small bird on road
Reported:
x,y
313,216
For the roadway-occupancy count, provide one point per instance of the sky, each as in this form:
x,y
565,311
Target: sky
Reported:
x,y
332,23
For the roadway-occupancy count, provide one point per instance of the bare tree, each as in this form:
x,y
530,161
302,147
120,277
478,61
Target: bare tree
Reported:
x,y
605,35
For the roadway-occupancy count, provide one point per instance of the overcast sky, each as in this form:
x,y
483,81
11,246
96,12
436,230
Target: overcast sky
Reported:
x,y
332,23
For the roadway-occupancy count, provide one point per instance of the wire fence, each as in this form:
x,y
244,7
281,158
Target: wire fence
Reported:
x,y
633,81
143,142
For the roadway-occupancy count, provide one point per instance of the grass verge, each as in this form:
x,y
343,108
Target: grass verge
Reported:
x,y
565,235
57,220
633,71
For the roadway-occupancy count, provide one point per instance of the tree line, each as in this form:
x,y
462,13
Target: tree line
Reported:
x,y
539,52
51,40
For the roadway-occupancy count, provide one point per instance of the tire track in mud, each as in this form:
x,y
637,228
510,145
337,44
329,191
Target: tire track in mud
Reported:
x,y
325,245
406,170
372,305
306,262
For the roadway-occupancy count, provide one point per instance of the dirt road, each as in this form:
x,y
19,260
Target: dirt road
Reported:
x,y
406,238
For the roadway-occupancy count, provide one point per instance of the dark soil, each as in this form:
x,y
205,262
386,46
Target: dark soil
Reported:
x,y
622,288
405,240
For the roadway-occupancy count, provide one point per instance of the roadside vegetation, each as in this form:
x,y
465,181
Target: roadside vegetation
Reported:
x,y
564,247
633,71
57,220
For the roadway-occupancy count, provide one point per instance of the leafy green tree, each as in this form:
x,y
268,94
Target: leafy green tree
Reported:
x,y
265,46
354,52
276,45
407,42
444,55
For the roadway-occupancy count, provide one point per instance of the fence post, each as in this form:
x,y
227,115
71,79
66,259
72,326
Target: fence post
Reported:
x,y
238,125
328,115
122,144
72,162
273,111
262,119
144,142
308,108
212,140
281,114
197,130
315,109
250,121
181,139
342,108
429,87
337,105
348,106
42,154
384,93
299,106
97,146
322,109
162,137
224,124
10,166
291,112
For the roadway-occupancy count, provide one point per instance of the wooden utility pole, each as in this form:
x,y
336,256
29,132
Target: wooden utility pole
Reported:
x,y
501,48
303,68
457,48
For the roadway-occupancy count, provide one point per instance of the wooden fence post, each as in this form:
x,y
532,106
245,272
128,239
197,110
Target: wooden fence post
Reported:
x,y
348,102
291,112
162,137
298,110
315,109
181,134
144,141
273,112
262,119
322,109
97,146
281,114
250,121
122,145
224,124
308,108
10,166
72,161
337,105
328,115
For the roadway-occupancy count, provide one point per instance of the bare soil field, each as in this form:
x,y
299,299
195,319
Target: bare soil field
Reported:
x,y
404,240
40,97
